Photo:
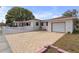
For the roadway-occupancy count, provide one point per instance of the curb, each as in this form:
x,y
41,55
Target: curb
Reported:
x,y
42,50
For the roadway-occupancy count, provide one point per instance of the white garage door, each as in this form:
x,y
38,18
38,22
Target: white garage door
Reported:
x,y
58,27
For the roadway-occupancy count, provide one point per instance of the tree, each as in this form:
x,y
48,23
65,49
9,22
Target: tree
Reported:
x,y
18,14
75,12
70,13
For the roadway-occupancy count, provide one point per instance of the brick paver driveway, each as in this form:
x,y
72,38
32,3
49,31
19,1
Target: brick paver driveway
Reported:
x,y
31,41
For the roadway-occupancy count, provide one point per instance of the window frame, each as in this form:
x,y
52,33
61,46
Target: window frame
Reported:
x,y
37,23
42,23
28,23
46,23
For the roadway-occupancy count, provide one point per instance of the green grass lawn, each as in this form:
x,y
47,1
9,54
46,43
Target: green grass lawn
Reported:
x,y
69,42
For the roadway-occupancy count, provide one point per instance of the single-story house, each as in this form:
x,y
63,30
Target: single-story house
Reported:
x,y
60,24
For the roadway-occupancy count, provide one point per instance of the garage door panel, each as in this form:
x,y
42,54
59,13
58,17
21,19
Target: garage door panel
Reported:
x,y
58,27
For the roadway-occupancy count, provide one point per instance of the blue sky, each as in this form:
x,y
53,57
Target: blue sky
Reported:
x,y
40,12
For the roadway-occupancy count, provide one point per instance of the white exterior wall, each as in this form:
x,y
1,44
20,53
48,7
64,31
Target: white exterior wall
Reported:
x,y
49,27
69,26
44,26
34,27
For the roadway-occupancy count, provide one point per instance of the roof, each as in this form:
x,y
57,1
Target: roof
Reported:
x,y
44,20
28,20
63,18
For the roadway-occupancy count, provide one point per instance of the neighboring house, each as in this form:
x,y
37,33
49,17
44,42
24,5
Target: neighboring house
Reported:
x,y
60,24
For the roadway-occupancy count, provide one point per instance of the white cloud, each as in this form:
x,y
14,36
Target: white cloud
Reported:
x,y
56,16
3,12
48,14
45,15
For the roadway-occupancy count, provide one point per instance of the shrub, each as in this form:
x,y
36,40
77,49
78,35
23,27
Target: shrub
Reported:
x,y
68,32
75,31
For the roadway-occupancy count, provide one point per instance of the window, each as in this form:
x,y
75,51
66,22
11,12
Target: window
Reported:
x,y
77,26
46,23
28,24
42,23
77,21
37,23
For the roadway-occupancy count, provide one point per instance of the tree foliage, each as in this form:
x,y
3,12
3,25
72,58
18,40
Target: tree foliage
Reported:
x,y
70,13
18,14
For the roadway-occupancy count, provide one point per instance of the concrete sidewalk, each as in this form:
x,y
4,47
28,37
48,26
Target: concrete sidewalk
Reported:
x,y
4,46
